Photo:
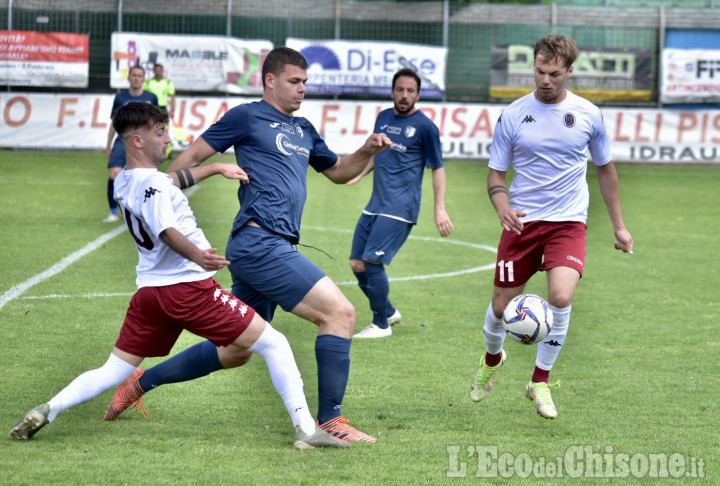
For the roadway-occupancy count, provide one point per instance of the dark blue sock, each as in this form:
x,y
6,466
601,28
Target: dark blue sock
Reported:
x,y
194,362
378,290
333,363
362,281
111,199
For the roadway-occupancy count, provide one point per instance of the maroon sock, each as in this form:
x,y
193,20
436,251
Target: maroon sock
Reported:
x,y
493,359
540,375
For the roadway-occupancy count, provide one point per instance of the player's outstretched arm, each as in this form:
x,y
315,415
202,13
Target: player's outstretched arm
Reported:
x,y
350,166
185,178
610,190
207,259
194,155
368,168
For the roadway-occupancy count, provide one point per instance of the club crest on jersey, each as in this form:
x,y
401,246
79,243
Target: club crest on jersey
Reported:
x,y
569,120
410,131
299,130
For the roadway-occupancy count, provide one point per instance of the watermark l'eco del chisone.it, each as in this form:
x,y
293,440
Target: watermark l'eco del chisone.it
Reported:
x,y
578,461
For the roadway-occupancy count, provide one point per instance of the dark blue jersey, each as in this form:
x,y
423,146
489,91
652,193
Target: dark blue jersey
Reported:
x,y
274,149
397,183
124,97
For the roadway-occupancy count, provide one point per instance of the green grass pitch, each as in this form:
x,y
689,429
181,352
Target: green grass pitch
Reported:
x,y
639,372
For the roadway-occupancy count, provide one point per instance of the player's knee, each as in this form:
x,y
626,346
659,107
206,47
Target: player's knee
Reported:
x,y
357,265
233,357
560,299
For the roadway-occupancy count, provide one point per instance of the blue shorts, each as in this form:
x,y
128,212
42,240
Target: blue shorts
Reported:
x,y
268,271
378,238
117,156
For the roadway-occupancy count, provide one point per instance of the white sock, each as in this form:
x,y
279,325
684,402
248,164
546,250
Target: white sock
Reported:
x,y
273,346
549,348
494,332
90,384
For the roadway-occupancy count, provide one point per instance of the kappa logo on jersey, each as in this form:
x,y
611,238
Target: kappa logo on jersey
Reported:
x,y
394,130
528,119
569,120
227,299
410,132
552,343
150,192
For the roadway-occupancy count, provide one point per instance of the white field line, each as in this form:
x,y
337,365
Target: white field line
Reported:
x,y
17,290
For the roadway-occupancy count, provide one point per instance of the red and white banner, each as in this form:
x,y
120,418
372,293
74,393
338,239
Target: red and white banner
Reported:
x,y
636,135
690,76
54,59
191,62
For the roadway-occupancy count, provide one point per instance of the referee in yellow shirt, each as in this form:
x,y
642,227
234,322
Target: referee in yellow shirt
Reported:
x,y
163,88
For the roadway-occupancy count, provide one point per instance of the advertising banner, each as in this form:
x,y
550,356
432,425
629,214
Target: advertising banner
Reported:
x,y
599,74
690,76
367,68
191,62
466,130
51,59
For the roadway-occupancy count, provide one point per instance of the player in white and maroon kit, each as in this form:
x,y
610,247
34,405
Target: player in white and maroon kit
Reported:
x,y
176,290
546,137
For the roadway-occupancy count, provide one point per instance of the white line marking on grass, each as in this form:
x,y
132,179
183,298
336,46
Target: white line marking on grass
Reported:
x,y
189,192
20,289
446,241
17,290
48,183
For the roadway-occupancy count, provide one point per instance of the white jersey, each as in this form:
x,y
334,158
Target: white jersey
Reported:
x,y
547,145
151,204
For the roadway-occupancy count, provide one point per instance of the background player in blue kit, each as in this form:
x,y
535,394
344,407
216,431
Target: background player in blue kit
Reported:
x,y
116,151
393,209
274,148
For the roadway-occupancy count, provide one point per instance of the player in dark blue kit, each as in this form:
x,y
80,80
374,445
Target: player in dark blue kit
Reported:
x,y
274,148
116,151
393,209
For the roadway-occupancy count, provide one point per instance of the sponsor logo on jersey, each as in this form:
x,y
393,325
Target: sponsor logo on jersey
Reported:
x,y
569,120
399,147
394,130
383,127
274,125
286,147
410,131
379,253
288,128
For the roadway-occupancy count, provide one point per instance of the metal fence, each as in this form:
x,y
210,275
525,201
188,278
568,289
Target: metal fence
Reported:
x,y
467,29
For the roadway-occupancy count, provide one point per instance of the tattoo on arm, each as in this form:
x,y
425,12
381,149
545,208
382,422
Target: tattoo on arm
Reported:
x,y
181,179
185,178
492,190
188,174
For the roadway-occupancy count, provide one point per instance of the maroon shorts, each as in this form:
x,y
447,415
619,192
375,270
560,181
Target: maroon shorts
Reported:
x,y
157,316
541,245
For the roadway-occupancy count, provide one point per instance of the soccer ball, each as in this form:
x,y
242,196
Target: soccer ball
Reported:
x,y
527,319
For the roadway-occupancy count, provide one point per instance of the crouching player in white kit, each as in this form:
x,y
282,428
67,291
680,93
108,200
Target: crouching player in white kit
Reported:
x,y
176,290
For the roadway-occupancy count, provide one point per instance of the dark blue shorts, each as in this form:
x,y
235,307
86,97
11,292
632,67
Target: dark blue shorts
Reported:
x,y
117,155
378,238
268,271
